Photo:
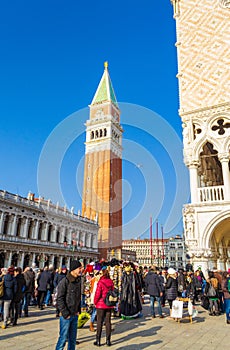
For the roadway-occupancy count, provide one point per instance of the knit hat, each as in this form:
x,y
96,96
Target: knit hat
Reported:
x,y
171,271
75,264
63,268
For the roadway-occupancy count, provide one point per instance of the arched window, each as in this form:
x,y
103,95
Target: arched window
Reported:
x,y
92,135
49,233
30,229
6,224
19,226
105,132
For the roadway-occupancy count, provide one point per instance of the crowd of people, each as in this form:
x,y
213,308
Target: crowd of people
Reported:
x,y
87,287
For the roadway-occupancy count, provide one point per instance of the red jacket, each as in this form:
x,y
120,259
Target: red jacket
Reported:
x,y
104,285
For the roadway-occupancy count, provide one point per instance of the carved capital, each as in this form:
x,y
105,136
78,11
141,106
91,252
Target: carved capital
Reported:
x,y
223,157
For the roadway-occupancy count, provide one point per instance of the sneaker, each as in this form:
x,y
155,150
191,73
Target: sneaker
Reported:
x,y
161,316
153,316
3,326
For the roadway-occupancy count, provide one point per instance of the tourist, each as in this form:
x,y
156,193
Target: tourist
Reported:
x,y
43,281
93,287
69,304
103,311
30,289
19,294
212,291
226,292
60,274
171,287
10,288
154,289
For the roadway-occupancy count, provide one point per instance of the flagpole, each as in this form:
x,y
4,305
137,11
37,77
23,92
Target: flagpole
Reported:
x,y
163,257
157,243
151,241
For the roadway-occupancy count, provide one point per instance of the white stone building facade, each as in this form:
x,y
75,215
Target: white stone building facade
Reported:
x,y
203,36
145,255
37,231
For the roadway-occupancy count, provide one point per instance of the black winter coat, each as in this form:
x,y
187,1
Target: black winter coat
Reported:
x,y
171,288
58,277
21,283
69,296
44,280
153,284
10,287
30,281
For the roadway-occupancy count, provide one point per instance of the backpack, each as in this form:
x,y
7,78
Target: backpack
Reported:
x,y
111,298
211,291
2,287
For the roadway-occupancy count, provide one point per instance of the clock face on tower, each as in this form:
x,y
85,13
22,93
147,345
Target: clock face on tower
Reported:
x,y
225,4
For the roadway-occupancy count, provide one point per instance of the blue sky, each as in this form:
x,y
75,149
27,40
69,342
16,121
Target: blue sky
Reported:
x,y
52,55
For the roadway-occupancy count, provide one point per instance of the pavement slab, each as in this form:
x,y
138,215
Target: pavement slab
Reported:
x,y
40,331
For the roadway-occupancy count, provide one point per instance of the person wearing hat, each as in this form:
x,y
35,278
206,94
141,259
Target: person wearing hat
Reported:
x,y
10,288
171,287
69,304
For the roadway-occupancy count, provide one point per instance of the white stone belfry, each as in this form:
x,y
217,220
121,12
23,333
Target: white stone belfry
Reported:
x,y
203,34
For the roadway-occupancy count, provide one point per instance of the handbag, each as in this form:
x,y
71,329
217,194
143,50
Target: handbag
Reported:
x,y
111,298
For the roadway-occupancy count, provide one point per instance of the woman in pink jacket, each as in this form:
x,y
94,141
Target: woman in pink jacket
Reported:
x,y
103,311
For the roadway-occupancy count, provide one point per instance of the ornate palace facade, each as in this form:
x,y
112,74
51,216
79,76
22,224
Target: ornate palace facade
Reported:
x,y
203,34
33,230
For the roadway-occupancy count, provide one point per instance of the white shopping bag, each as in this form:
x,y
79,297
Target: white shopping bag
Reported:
x,y
177,309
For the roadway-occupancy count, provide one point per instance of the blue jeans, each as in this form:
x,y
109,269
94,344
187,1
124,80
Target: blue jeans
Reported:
x,y
152,300
68,331
47,297
227,308
93,315
26,303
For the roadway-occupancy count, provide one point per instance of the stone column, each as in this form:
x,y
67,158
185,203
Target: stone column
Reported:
x,y
14,227
1,222
203,264
10,226
224,159
51,260
21,262
8,261
45,230
35,233
25,232
193,181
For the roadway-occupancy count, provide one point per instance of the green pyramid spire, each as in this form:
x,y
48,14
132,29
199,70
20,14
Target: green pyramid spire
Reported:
x,y
105,91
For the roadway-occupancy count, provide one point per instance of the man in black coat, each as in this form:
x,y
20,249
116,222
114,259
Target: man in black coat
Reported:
x,y
69,304
154,288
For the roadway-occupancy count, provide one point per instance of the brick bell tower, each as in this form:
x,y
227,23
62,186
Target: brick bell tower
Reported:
x,y
102,189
